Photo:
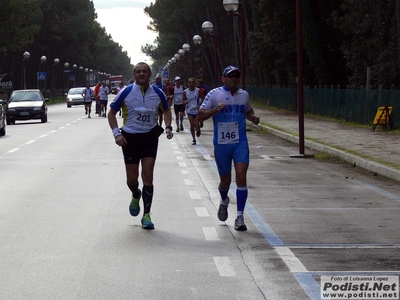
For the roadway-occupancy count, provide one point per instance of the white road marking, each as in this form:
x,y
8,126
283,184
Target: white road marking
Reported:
x,y
194,195
177,152
202,212
43,135
13,150
211,234
184,172
188,182
30,142
288,257
179,158
224,266
182,164
207,157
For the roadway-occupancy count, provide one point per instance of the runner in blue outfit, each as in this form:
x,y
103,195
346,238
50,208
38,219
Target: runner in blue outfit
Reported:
x,y
229,106
139,134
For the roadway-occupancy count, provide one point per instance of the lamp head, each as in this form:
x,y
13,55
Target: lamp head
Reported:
x,y
26,55
230,5
207,27
197,39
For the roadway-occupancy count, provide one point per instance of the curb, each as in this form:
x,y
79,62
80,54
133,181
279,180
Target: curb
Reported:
x,y
350,158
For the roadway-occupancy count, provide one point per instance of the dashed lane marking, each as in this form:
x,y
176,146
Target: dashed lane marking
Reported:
x,y
224,266
188,182
202,212
194,195
211,234
13,150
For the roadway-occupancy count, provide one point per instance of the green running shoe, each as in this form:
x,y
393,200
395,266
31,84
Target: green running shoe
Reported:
x,y
146,222
134,208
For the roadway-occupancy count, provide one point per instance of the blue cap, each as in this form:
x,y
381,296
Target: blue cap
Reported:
x,y
230,69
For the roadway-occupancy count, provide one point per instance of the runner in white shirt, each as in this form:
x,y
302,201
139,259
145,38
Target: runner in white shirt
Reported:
x,y
179,107
229,106
139,134
103,92
87,95
192,100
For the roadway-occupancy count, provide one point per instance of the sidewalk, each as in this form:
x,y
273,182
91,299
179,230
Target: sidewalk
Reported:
x,y
377,151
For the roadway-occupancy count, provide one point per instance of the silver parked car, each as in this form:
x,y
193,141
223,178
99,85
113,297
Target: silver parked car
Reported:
x,y
74,96
26,105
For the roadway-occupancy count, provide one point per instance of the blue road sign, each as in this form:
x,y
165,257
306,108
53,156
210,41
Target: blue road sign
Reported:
x,y
41,75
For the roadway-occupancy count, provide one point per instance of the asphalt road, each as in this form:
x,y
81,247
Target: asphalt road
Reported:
x,y
66,232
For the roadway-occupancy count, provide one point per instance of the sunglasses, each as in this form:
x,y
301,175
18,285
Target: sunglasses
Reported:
x,y
237,76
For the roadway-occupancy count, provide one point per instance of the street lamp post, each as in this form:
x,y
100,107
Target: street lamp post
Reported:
x,y
186,48
55,64
25,56
231,6
173,62
43,60
177,57
208,28
66,71
169,68
181,53
91,76
80,76
300,89
74,68
86,76
197,41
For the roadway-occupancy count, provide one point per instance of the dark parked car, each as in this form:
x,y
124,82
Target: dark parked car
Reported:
x,y
2,119
26,105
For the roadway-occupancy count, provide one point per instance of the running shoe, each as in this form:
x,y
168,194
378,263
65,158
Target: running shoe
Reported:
x,y
146,222
223,211
181,127
239,224
198,132
194,142
134,208
201,124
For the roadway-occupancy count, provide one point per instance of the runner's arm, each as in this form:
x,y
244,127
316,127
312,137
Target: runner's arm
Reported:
x,y
112,121
204,114
252,117
168,122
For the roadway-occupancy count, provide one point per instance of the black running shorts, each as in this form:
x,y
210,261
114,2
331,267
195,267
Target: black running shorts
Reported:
x,y
139,145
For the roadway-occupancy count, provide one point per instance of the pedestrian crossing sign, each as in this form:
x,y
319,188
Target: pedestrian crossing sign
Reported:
x,y
41,75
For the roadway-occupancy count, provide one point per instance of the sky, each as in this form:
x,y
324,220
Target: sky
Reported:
x,y
127,23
